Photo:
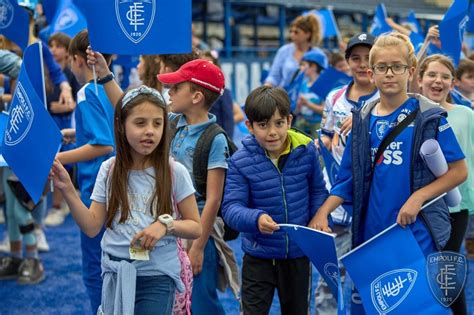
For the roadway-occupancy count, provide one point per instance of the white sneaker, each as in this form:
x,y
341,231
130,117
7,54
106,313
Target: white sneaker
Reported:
x,y
56,216
5,244
41,241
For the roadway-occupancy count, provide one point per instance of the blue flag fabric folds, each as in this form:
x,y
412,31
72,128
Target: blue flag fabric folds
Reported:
x,y
328,22
132,27
14,23
379,24
389,272
451,29
31,138
320,248
470,23
329,80
294,88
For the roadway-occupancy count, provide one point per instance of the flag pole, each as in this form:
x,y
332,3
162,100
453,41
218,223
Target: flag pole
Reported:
x,y
40,46
94,73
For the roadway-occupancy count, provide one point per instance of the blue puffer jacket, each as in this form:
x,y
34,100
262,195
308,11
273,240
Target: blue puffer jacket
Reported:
x,y
436,216
254,186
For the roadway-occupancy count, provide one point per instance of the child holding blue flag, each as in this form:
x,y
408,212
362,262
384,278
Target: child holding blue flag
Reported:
x,y
309,103
138,196
390,183
274,178
95,144
335,127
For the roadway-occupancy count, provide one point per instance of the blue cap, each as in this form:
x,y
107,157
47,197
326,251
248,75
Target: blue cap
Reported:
x,y
316,57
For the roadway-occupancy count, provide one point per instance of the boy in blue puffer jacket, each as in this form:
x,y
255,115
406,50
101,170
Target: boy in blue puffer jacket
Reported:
x,y
274,178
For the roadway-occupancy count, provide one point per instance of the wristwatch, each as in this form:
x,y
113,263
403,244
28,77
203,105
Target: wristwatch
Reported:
x,y
109,77
168,221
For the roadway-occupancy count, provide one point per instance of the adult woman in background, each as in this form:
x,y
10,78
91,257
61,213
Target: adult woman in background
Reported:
x,y
305,34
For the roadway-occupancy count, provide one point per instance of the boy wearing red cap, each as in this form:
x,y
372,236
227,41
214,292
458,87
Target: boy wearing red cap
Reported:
x,y
193,90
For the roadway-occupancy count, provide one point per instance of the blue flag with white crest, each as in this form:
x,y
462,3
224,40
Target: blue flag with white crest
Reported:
x,y
14,22
31,138
451,29
379,24
68,19
389,272
320,249
133,27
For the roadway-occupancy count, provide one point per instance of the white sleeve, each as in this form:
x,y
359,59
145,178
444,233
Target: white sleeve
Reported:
x,y
99,194
182,184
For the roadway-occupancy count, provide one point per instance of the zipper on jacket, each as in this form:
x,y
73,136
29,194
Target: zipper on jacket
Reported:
x,y
285,205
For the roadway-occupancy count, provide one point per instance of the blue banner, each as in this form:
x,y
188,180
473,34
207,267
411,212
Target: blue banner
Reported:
x,y
379,24
294,88
328,22
132,27
451,29
470,23
68,19
31,138
389,272
413,21
320,248
329,80
14,23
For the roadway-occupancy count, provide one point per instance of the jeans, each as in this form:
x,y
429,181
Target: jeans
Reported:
x,y
204,299
154,295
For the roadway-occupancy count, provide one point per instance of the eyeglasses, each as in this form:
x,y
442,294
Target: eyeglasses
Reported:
x,y
396,68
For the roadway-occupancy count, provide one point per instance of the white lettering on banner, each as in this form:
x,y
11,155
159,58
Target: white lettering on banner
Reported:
x,y
134,15
21,117
242,77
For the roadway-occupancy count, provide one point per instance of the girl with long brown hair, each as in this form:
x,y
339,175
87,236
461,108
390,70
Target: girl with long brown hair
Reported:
x,y
138,195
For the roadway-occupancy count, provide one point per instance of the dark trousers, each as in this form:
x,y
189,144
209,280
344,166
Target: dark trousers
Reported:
x,y
459,221
260,277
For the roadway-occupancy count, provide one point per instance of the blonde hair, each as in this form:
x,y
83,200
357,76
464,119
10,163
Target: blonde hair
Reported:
x,y
393,39
310,24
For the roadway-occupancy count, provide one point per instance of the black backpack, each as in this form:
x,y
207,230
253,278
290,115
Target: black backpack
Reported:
x,y
201,159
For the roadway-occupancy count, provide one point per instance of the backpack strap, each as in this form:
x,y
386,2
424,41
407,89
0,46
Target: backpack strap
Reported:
x,y
201,155
173,126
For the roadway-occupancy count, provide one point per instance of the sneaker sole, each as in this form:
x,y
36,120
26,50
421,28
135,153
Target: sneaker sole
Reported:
x,y
28,282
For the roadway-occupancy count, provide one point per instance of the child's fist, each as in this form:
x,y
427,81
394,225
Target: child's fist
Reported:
x,y
266,224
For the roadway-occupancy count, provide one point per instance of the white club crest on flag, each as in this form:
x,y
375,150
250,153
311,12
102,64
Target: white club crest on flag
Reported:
x,y
67,19
391,288
135,17
6,14
21,118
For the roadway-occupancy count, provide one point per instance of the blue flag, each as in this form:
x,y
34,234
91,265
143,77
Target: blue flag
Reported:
x,y
329,80
14,22
328,22
132,27
389,272
470,23
68,19
320,249
49,9
379,25
294,88
451,29
31,138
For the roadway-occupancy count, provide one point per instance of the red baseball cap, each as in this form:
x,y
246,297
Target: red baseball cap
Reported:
x,y
199,71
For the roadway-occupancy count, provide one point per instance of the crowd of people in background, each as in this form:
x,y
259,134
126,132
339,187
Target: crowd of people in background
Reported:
x,y
158,189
